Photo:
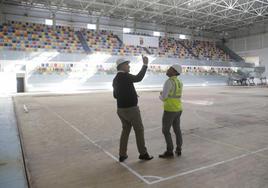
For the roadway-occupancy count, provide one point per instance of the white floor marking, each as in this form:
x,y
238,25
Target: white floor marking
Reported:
x,y
159,179
131,134
25,108
226,144
209,166
221,143
199,102
152,129
98,146
154,177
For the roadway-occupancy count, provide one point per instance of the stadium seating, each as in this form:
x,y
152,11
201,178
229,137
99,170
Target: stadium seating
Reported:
x,y
170,47
205,50
35,37
106,41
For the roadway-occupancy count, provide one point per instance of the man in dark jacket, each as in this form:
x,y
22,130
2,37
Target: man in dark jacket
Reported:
x,y
127,107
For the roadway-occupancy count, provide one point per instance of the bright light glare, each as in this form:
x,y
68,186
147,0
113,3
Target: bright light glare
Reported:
x,y
156,33
182,36
91,26
126,30
49,22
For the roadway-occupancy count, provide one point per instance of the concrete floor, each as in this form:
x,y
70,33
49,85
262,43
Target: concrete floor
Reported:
x,y
72,140
12,173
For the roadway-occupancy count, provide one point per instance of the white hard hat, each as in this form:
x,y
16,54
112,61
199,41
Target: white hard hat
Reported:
x,y
177,68
121,61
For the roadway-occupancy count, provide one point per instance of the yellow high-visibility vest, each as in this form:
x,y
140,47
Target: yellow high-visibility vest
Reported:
x,y
173,102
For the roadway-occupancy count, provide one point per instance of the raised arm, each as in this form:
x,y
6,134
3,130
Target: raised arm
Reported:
x,y
141,74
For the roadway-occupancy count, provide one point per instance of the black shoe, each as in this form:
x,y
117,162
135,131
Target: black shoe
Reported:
x,y
146,157
166,154
178,153
122,158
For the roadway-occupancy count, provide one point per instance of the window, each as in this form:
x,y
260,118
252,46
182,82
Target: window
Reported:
x,y
126,30
156,33
91,26
49,22
182,36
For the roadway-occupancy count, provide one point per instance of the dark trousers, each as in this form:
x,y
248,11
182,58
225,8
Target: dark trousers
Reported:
x,y
172,119
130,117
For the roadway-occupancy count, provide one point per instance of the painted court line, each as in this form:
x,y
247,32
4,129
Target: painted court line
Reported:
x,y
98,146
208,166
25,108
131,135
226,144
158,179
199,102
221,143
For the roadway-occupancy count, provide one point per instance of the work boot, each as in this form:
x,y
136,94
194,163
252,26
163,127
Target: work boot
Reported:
x,y
122,158
178,153
166,154
146,157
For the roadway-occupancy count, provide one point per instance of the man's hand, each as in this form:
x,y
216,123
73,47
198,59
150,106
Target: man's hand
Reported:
x,y
145,60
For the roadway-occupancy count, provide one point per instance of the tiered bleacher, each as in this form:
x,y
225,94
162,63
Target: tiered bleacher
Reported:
x,y
106,41
103,41
205,50
34,37
170,47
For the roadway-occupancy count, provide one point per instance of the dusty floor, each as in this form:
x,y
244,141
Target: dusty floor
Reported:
x,y
72,141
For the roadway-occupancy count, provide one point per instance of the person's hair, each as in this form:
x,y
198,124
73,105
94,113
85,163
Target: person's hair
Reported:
x,y
177,73
118,67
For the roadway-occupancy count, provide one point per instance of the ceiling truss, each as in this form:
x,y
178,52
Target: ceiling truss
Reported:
x,y
206,15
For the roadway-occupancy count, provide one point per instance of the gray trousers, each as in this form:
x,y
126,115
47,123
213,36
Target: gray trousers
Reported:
x,y
172,119
130,117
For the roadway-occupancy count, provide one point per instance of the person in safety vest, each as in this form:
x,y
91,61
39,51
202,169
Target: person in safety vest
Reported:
x,y
171,97
127,107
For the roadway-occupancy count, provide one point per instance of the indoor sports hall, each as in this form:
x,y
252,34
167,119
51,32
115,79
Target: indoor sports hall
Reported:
x,y
60,121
